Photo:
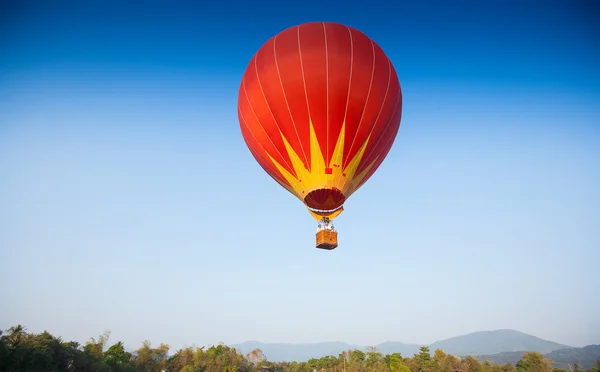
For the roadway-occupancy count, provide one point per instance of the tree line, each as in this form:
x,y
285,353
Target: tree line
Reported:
x,y
21,351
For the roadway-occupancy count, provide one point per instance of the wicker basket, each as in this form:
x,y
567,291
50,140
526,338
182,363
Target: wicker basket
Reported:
x,y
327,239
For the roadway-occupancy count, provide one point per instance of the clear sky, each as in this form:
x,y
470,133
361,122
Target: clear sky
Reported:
x,y
129,201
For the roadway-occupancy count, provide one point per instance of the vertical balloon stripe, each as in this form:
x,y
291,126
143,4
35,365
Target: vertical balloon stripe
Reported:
x,y
363,65
312,52
339,55
384,143
292,85
268,137
269,80
258,151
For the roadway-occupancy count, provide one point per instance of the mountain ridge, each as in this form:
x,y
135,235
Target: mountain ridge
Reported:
x,y
476,343
585,357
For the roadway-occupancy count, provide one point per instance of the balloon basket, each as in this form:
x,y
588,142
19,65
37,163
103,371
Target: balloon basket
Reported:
x,y
327,239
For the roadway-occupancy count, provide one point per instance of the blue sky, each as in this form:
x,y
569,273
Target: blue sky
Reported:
x,y
130,202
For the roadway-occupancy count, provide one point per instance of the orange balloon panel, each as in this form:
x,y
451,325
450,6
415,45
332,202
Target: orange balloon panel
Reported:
x,y
319,108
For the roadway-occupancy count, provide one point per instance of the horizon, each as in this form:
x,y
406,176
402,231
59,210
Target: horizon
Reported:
x,y
130,202
410,342
351,345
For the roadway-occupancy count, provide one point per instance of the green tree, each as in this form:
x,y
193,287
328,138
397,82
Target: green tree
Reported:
x,y
3,352
96,348
395,362
534,362
151,359
471,364
423,360
182,359
374,359
508,368
117,359
441,361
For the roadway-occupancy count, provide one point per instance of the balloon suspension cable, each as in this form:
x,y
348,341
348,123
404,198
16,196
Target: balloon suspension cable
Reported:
x,y
325,224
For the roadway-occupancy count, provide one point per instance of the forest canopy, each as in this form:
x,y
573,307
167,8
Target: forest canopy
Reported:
x,y
23,351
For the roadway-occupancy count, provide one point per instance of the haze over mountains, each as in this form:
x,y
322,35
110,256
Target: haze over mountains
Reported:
x,y
478,343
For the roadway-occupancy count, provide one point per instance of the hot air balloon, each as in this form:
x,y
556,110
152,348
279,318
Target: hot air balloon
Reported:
x,y
319,108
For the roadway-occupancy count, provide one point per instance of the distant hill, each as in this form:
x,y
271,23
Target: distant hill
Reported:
x,y
277,352
398,347
510,357
479,343
584,357
493,342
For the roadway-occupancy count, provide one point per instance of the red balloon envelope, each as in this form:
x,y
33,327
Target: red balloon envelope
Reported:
x,y
319,107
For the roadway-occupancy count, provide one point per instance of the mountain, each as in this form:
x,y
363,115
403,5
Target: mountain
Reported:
x,y
300,352
398,347
478,343
494,342
507,357
584,357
